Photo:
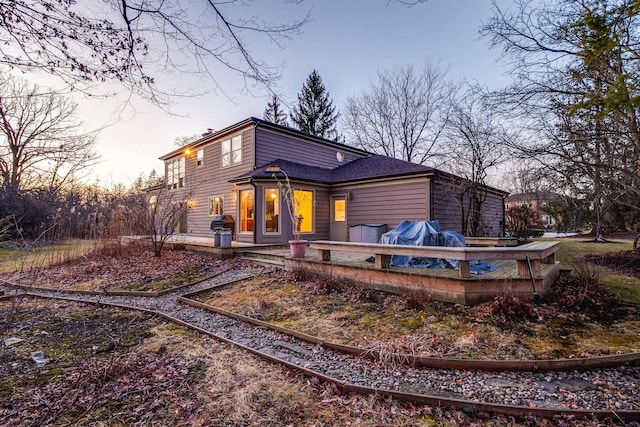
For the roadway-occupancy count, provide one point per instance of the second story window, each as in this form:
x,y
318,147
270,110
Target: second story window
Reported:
x,y
175,173
199,158
232,151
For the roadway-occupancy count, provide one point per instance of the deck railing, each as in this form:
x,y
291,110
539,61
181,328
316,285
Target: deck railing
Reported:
x,y
534,254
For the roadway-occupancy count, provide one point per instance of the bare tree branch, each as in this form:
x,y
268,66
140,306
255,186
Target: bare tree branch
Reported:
x,y
130,41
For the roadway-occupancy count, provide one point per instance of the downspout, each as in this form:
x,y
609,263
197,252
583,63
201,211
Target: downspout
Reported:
x,y
255,188
255,151
255,209
431,179
504,217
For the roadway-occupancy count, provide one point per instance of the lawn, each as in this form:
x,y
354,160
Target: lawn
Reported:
x,y
34,257
109,267
572,255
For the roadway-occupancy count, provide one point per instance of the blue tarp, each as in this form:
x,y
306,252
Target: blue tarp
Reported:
x,y
429,233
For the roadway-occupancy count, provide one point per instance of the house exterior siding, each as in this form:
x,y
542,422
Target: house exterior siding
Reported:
x,y
493,215
276,145
447,209
387,203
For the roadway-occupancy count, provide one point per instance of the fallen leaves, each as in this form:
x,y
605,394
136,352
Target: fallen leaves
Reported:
x,y
123,269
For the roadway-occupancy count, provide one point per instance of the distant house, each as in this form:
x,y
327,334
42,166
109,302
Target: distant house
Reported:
x,y
537,201
230,172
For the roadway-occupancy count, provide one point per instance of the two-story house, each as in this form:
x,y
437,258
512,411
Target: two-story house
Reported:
x,y
231,171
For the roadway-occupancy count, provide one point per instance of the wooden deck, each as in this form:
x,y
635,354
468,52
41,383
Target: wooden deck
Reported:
x,y
441,284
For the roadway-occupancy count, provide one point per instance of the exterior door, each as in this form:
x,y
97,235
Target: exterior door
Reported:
x,y
338,229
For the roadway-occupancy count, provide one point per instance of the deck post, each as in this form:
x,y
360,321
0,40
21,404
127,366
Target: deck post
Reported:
x,y
324,255
523,268
463,269
382,261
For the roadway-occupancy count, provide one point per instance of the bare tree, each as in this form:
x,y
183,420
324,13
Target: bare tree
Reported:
x,y
40,139
181,141
403,114
576,65
125,41
158,213
475,147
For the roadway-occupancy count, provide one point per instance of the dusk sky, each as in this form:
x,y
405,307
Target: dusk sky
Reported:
x,y
346,41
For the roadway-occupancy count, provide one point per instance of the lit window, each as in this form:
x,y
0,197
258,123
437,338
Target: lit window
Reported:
x,y
304,211
216,206
246,210
339,210
199,158
271,210
232,151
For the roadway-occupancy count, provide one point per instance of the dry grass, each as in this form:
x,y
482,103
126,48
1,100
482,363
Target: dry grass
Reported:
x,y
505,329
27,257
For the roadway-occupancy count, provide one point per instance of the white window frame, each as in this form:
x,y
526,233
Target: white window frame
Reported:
x,y
212,205
231,151
200,158
278,205
176,173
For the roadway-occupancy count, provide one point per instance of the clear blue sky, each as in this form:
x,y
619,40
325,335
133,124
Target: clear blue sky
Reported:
x,y
347,41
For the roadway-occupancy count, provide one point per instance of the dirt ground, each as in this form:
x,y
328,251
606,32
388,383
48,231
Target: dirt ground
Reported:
x,y
627,262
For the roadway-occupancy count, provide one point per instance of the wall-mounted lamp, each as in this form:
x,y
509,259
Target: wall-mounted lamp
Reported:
x,y
191,203
187,151
350,195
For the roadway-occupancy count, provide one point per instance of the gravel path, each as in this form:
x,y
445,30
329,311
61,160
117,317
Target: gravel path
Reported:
x,y
602,389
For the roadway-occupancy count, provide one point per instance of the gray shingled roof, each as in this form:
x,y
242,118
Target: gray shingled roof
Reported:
x,y
293,170
374,166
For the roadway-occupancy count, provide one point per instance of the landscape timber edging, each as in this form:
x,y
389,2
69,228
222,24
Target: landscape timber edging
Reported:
x,y
114,293
432,400
540,365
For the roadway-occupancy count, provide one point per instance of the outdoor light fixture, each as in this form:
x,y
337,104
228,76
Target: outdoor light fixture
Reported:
x,y
187,151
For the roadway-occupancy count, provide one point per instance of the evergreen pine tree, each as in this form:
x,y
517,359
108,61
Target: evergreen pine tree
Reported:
x,y
274,113
315,113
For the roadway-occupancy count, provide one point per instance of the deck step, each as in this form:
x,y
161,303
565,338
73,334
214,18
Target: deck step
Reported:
x,y
262,258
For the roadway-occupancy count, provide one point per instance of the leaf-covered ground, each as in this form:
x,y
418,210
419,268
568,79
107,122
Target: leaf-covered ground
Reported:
x,y
627,262
129,267
112,367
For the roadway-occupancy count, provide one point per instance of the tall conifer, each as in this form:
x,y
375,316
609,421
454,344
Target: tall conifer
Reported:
x,y
315,113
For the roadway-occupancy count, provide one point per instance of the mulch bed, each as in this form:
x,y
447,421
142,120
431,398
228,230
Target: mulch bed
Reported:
x,y
627,262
